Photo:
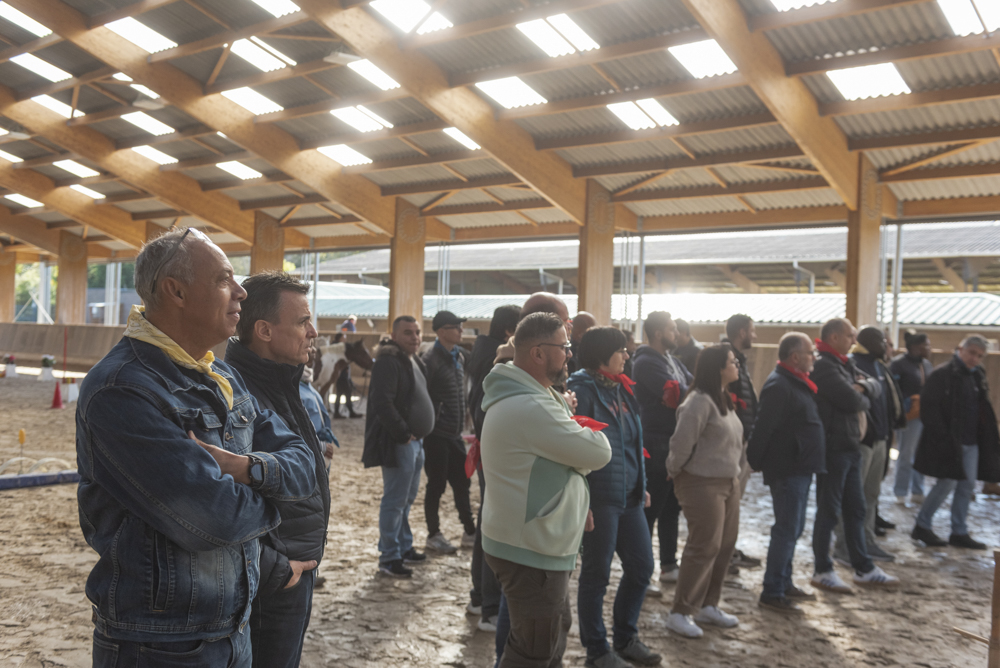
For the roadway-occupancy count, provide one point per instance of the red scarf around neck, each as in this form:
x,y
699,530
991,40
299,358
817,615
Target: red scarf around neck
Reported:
x,y
804,377
827,348
625,381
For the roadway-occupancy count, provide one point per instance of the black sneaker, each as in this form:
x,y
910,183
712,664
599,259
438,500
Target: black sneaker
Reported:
x,y
883,523
966,541
797,594
928,537
413,557
781,604
637,653
744,561
395,569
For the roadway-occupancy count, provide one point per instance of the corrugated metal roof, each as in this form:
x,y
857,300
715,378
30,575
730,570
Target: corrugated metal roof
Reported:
x,y
676,207
947,189
974,113
795,199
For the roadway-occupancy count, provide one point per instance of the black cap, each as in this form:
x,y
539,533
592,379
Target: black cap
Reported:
x,y
445,318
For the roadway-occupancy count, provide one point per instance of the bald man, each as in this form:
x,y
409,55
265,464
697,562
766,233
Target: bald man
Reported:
x,y
581,323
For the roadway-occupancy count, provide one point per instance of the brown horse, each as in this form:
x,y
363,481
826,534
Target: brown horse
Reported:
x,y
331,361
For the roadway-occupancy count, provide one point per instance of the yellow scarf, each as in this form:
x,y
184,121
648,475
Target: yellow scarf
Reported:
x,y
143,330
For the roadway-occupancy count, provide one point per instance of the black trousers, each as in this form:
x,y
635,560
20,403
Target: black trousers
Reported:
x,y
485,587
278,624
663,507
444,464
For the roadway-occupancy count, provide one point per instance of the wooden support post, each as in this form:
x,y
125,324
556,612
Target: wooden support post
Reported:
x,y
863,247
268,250
406,263
994,651
71,286
8,273
597,254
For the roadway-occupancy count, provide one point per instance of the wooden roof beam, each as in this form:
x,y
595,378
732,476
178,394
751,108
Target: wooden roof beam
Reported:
x,y
197,130
66,84
746,220
260,78
29,230
218,40
680,130
456,184
791,102
733,189
388,133
29,47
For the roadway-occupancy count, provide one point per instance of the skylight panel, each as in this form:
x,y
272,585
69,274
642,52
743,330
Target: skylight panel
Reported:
x,y
252,101
371,114
858,83
239,170
277,8
10,157
92,194
785,5
156,155
631,115
546,38
22,20
24,201
344,155
461,138
256,56
146,91
141,35
989,11
703,59
656,111
511,92
273,51
434,22
121,76
3,132
33,63
141,119
963,18
359,120
574,33
75,168
369,71
55,105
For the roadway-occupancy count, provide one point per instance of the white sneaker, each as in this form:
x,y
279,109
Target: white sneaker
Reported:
x,y
684,625
671,575
652,591
439,543
474,609
902,501
830,581
711,614
876,577
488,625
469,539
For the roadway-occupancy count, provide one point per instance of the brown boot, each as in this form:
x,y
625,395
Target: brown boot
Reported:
x,y
991,488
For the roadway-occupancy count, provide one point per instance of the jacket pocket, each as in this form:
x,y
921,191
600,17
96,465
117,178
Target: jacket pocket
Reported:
x,y
161,575
204,423
240,431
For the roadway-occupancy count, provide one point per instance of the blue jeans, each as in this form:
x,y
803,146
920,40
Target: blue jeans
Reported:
x,y
908,480
790,496
963,494
625,531
278,624
839,492
400,486
232,652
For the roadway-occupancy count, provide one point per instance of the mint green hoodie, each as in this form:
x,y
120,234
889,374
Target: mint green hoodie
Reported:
x,y
535,457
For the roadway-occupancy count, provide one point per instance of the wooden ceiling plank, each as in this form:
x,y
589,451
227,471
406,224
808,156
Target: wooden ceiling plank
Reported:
x,y
701,192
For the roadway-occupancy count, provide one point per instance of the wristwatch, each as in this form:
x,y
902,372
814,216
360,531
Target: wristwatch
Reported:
x,y
256,471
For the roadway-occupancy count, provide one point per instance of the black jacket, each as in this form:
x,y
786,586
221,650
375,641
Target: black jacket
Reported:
x,y
743,388
484,352
390,397
939,452
302,533
839,403
911,373
446,385
688,354
787,437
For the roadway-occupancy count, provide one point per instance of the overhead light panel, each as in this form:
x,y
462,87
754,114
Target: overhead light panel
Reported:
x,y
511,92
434,22
703,59
33,63
361,119
964,15
632,116
252,101
76,169
859,83
121,76
656,111
344,155
277,8
55,105
141,35
3,131
22,20
461,138
546,38
146,91
369,71
141,119
574,33
239,170
785,5
24,201
404,14
92,194
156,155
10,157
261,56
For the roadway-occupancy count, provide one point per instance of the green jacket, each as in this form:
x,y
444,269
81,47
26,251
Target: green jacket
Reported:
x,y
535,458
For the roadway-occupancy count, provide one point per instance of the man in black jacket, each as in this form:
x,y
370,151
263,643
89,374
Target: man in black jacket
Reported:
x,y
787,445
959,442
399,416
444,449
275,333
687,347
844,396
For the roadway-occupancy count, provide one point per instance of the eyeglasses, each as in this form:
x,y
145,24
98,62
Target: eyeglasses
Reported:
x,y
566,347
173,251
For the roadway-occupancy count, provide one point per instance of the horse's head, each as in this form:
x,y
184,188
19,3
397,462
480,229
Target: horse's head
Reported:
x,y
359,354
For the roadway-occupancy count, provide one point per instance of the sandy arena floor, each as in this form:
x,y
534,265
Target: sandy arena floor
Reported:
x,y
360,619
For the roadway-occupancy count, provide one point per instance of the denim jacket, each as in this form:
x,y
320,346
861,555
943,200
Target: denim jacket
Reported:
x,y
177,539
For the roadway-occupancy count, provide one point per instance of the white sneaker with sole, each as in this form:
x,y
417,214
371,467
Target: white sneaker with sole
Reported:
x,y
469,539
488,625
711,614
876,577
830,581
684,625
439,543
474,609
671,575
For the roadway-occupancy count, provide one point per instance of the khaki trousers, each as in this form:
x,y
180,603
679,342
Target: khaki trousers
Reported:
x,y
712,509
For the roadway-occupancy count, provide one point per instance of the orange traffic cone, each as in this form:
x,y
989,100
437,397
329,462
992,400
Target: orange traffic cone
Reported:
x,y
57,401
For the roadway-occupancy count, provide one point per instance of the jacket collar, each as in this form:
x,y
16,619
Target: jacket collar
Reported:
x,y
174,381
264,371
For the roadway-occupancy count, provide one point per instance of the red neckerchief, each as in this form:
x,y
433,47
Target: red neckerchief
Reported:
x,y
625,381
737,402
801,376
826,348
